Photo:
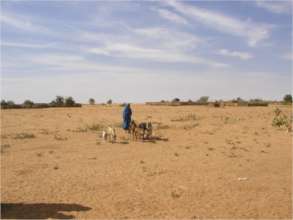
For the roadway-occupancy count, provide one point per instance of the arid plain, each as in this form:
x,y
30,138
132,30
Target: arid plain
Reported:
x,y
205,162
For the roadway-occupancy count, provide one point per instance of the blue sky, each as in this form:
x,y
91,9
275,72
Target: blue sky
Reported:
x,y
136,51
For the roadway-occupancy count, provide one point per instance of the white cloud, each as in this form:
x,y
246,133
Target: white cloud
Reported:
x,y
278,7
159,55
252,32
237,54
25,45
170,38
151,44
171,16
288,56
21,22
67,63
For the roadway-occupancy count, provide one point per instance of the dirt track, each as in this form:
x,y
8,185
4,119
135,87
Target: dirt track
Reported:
x,y
210,163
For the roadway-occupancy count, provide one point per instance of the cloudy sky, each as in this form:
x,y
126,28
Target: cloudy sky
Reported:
x,y
138,51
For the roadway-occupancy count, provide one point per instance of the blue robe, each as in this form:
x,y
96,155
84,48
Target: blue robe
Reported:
x,y
126,117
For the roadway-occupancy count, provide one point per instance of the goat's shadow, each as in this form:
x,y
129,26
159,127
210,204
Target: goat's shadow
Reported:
x,y
39,210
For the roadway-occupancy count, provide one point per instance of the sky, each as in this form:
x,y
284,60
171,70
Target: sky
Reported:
x,y
137,51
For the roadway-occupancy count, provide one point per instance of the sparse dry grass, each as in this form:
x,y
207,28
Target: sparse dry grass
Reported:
x,y
188,117
58,137
4,147
137,179
24,136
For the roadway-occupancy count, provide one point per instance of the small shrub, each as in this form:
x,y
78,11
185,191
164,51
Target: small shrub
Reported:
x,y
280,119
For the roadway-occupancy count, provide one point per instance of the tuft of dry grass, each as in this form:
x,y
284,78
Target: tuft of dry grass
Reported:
x,y
161,126
4,147
59,137
44,131
24,136
79,130
189,117
190,126
117,125
95,127
91,127
3,136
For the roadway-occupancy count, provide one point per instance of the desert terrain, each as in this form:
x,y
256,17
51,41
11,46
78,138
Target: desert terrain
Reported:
x,y
205,162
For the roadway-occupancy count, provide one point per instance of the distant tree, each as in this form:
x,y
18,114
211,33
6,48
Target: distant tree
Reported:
x,y
28,104
8,104
256,100
176,100
162,101
203,99
287,98
59,101
189,100
3,103
109,102
69,102
240,100
91,101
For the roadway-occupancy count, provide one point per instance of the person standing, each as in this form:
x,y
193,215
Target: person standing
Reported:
x,y
127,112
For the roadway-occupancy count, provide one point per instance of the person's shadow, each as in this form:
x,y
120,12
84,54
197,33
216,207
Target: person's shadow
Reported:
x,y
39,210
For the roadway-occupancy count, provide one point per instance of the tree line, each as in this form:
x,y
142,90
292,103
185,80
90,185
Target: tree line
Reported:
x,y
59,101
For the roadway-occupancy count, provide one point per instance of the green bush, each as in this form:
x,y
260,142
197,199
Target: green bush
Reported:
x,y
287,99
28,104
69,102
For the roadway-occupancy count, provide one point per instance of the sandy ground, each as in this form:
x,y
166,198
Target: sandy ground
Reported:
x,y
210,163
